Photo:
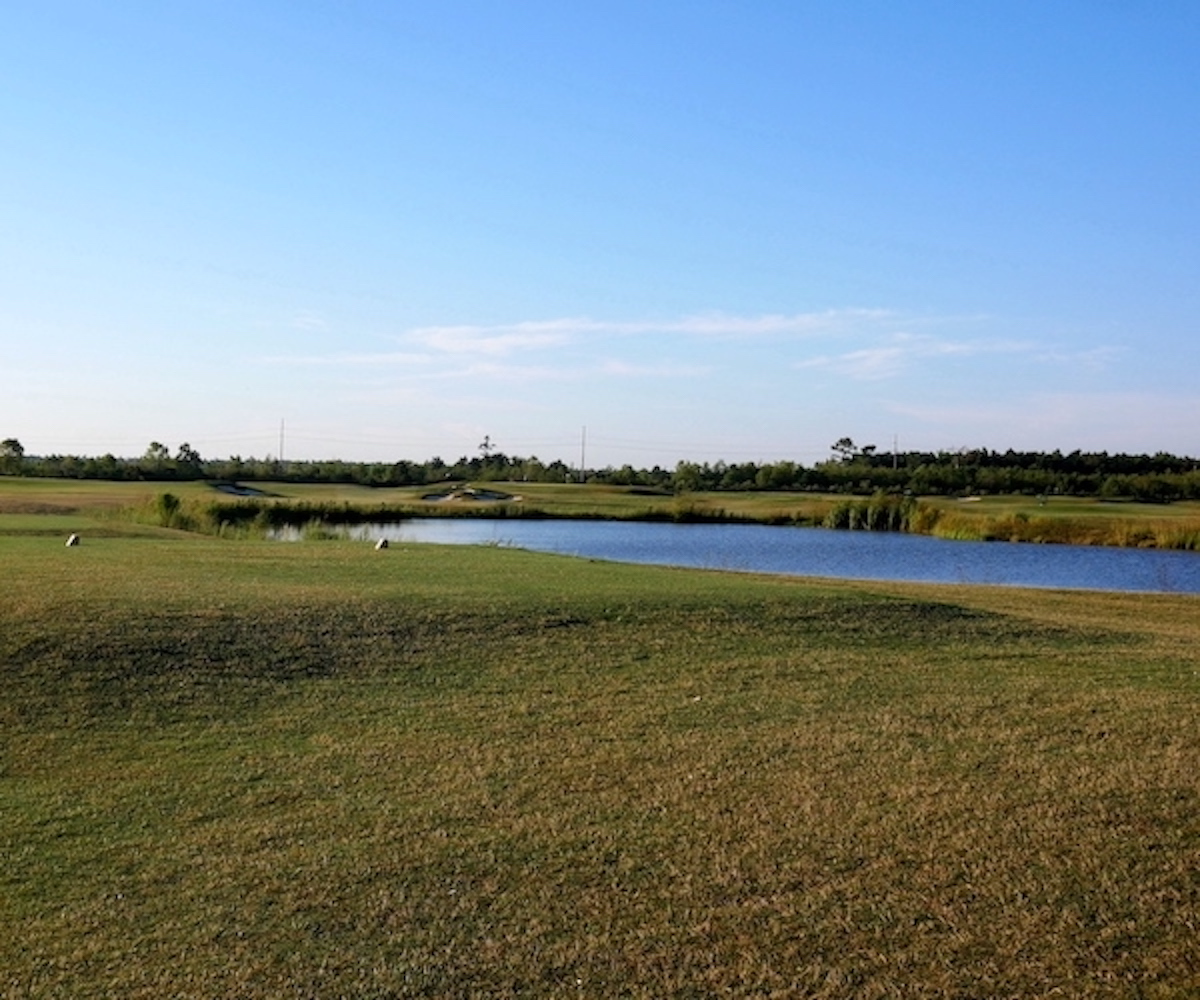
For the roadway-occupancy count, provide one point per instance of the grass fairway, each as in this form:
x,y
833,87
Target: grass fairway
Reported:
x,y
1068,520
262,770
570,500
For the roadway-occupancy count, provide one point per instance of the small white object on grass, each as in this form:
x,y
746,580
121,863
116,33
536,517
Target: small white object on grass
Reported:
x,y
381,544
72,541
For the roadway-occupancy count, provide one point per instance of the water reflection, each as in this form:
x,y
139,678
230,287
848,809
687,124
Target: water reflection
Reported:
x,y
819,552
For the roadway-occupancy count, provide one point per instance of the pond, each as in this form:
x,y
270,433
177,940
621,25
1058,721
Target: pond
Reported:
x,y
818,552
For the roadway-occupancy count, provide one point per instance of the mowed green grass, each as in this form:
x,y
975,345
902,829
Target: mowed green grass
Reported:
x,y
96,498
62,507
1070,520
260,770
570,499
1066,507
47,496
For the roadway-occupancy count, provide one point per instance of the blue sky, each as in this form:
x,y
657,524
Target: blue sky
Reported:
x,y
700,230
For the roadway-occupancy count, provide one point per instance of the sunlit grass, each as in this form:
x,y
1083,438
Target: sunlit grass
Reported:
x,y
33,495
570,500
1068,520
244,769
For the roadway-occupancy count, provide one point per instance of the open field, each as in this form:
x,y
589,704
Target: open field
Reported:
x,y
260,770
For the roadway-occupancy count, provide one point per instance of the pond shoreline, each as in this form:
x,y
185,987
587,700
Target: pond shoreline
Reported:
x,y
889,515
862,555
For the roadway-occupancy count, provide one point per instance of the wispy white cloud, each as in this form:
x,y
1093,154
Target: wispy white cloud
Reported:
x,y
309,321
496,371
804,324
613,368
627,370
384,366
478,345
900,351
492,341
1093,359
868,363
876,345
376,359
504,338
879,344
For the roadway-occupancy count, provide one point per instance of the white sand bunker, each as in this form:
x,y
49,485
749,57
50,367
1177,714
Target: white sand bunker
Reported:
x,y
238,490
470,495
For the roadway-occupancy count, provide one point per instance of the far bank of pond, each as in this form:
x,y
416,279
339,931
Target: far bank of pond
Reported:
x,y
813,552
1041,520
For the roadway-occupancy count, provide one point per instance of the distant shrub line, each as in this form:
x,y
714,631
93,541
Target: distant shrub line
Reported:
x,y
1158,478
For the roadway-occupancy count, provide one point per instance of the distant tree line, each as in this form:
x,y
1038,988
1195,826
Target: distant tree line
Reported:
x,y
850,469
1156,478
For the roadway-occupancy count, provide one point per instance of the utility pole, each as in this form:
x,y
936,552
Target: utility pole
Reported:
x,y
583,455
281,441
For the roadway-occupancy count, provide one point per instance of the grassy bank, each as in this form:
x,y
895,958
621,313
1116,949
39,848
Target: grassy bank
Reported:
x,y
1065,520
244,769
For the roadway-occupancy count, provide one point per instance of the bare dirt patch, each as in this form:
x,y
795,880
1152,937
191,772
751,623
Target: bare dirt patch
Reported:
x,y
35,507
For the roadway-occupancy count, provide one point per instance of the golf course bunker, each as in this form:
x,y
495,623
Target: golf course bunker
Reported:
x,y
470,495
238,490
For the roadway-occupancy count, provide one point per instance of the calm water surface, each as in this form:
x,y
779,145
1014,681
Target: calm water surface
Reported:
x,y
820,552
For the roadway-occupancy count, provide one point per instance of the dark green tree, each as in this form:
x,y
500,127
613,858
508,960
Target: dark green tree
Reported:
x,y
844,448
12,457
188,463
